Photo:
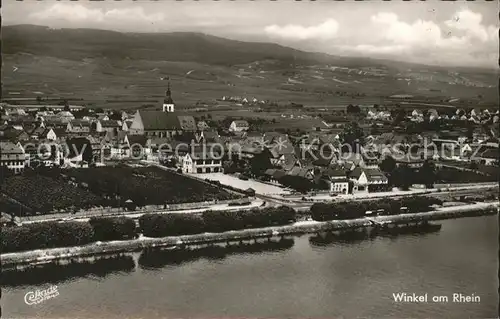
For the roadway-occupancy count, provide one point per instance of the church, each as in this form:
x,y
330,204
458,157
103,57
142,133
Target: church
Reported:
x,y
166,123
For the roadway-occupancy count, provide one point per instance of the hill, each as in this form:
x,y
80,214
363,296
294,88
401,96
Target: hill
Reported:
x,y
79,44
102,66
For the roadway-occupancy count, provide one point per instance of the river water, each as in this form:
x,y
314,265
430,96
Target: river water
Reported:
x,y
299,277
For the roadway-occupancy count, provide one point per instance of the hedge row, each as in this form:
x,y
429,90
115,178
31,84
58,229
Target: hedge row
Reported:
x,y
154,225
113,228
55,234
386,206
45,235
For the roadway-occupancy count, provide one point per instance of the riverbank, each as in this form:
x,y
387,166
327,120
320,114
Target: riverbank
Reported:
x,y
55,254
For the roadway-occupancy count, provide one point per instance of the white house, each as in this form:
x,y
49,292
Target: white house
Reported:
x,y
475,113
65,116
108,126
78,126
339,184
239,126
366,179
200,162
12,156
433,115
102,117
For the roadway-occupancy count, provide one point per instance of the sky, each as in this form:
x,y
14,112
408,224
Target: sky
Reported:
x,y
429,32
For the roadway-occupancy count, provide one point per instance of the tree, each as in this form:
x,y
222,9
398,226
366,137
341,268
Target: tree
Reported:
x,y
353,135
388,164
428,174
403,177
66,105
399,116
116,116
353,109
260,163
470,131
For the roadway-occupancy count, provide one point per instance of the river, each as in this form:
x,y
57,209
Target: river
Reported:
x,y
296,277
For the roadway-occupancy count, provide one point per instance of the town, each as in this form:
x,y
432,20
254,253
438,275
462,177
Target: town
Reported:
x,y
271,159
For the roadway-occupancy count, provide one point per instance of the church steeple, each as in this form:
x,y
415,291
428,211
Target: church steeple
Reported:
x,y
168,103
168,95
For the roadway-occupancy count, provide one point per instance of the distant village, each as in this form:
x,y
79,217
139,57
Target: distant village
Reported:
x,y
303,160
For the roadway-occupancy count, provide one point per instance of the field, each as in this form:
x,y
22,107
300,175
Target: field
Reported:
x,y
132,84
104,187
204,68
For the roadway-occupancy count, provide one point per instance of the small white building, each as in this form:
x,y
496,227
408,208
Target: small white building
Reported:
x,y
239,126
108,126
339,184
366,179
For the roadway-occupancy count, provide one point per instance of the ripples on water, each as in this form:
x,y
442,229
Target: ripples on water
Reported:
x,y
326,275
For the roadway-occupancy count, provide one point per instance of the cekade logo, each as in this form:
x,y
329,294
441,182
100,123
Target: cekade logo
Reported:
x,y
39,296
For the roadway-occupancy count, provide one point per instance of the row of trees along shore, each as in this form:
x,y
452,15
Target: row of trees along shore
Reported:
x,y
385,206
54,234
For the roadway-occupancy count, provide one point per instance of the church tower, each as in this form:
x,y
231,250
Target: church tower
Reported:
x,y
168,103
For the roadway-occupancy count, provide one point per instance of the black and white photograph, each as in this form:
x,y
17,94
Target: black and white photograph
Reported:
x,y
249,159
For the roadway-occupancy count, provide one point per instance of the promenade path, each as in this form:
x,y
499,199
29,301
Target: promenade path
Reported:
x,y
472,188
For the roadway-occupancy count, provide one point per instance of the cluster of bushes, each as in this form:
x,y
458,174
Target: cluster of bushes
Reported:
x,y
219,221
113,228
54,234
386,206
418,204
154,225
